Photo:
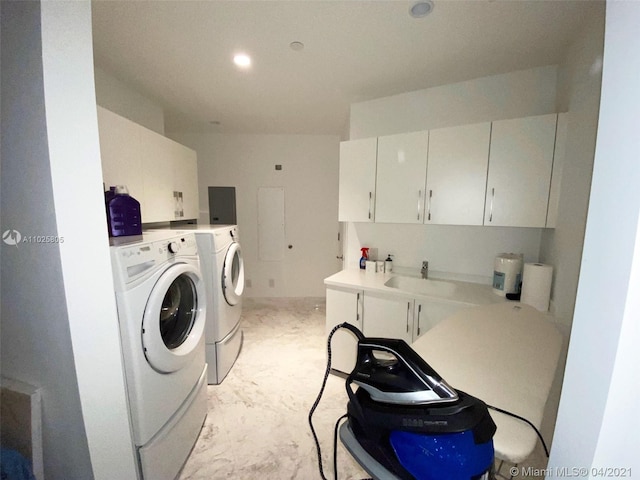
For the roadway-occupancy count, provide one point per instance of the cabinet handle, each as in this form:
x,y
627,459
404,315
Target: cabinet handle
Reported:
x,y
493,195
370,197
419,310
429,211
358,308
408,310
419,198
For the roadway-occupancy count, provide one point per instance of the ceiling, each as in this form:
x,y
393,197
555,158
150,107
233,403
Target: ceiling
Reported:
x,y
179,54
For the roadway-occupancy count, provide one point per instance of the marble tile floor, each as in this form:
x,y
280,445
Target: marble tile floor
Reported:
x,y
257,424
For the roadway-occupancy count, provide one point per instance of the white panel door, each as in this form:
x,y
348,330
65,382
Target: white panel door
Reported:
x,y
271,224
401,176
357,180
520,161
388,317
343,306
457,174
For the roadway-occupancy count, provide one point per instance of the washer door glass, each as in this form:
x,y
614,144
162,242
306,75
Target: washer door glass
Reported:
x,y
233,275
178,311
173,322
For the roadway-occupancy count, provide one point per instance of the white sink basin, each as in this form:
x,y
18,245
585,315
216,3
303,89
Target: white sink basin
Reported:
x,y
422,286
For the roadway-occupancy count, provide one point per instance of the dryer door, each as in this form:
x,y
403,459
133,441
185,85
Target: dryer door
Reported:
x,y
233,274
174,318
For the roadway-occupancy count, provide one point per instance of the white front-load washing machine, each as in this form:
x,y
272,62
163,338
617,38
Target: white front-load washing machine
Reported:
x,y
161,302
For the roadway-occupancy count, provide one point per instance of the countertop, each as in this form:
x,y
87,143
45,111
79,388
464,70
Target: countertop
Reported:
x,y
410,286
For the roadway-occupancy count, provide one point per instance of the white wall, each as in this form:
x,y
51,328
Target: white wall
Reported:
x,y
511,95
309,176
597,423
59,321
579,94
117,96
466,250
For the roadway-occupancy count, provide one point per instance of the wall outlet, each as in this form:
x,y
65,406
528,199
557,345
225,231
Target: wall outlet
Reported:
x,y
272,283
247,283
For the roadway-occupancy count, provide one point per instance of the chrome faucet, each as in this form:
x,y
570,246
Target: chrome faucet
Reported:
x,y
424,271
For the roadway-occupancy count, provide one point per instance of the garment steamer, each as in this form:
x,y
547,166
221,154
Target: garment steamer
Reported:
x,y
405,422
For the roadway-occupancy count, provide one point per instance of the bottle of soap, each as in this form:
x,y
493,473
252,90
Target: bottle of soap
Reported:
x,y
364,257
388,264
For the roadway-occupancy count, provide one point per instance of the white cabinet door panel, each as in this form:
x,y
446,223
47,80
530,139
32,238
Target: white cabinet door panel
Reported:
x,y
520,161
401,177
357,180
457,174
388,317
157,165
427,314
343,306
185,181
121,153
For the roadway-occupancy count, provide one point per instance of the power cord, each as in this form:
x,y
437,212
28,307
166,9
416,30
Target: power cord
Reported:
x,y
544,445
360,336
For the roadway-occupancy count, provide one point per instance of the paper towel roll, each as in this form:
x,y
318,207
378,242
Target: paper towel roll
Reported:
x,y
536,285
507,273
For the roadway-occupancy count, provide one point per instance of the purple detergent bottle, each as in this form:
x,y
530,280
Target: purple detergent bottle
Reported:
x,y
123,212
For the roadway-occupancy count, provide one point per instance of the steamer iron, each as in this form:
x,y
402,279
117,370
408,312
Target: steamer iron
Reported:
x,y
405,422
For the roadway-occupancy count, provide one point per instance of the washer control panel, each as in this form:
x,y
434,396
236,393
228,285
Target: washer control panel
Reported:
x,y
133,262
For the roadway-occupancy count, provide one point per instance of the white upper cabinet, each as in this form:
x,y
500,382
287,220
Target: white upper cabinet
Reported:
x,y
457,174
121,159
520,163
154,168
401,177
185,182
357,181
157,165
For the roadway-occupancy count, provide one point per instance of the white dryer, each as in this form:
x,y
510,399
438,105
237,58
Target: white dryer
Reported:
x,y
160,296
223,331
223,269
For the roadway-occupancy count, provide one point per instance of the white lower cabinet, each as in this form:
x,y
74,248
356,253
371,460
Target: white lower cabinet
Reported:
x,y
378,315
427,315
388,317
343,306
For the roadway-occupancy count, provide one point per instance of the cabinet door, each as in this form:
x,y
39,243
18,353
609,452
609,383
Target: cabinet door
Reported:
x,y
185,182
520,161
343,306
388,317
401,177
457,174
428,314
357,180
556,174
121,153
157,165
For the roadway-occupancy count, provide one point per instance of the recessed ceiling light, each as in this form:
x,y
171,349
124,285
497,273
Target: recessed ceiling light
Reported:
x,y
421,9
297,46
242,60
